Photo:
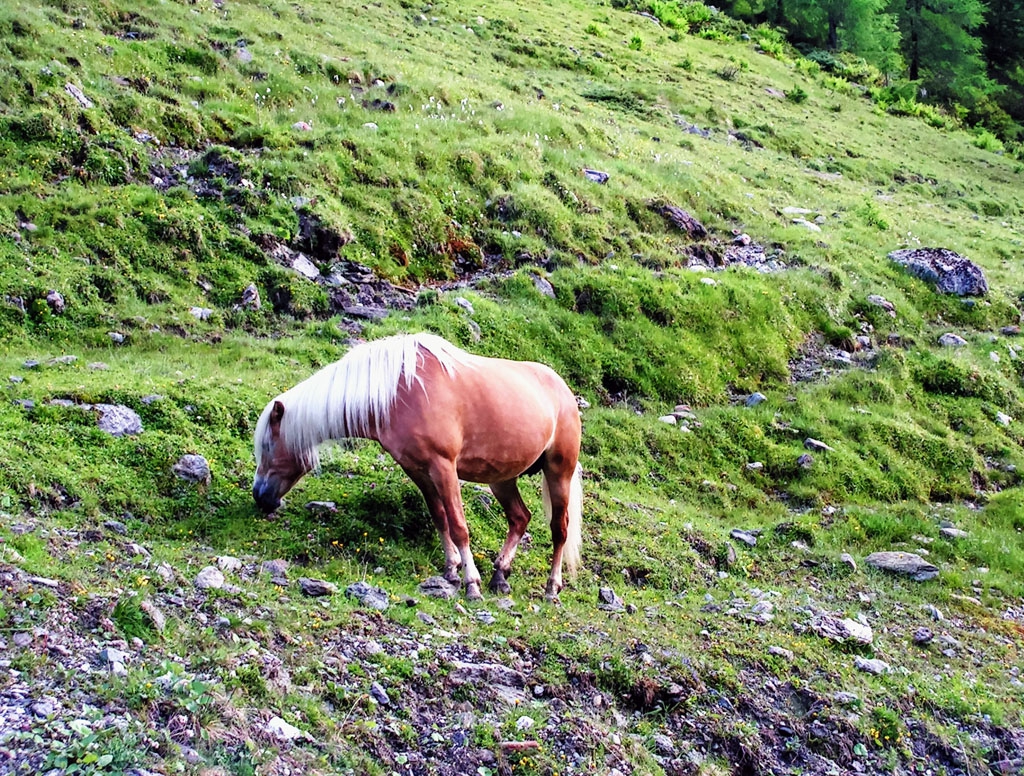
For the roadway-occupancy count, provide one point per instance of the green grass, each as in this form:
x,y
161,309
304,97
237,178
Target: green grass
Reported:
x,y
497,110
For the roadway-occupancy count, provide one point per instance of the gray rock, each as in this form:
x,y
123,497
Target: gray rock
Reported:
x,y
844,698
62,361
156,617
595,175
78,94
847,560
543,286
15,379
670,419
953,533
608,601
486,673
807,224
210,578
316,588
250,298
30,363
949,272
201,313
192,468
950,340
56,302
228,564
749,538
116,526
368,595
817,446
116,337
322,507
755,398
663,745
845,630
150,398
278,567
283,731
379,694
118,420
905,564
44,708
22,639
871,665
465,304
885,304
782,652
111,655
438,587
923,636
805,461
366,312
486,617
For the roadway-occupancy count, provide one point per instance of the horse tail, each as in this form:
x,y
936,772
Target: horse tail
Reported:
x,y
574,529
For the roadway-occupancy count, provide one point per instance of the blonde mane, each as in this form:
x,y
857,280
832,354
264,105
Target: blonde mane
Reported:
x,y
353,397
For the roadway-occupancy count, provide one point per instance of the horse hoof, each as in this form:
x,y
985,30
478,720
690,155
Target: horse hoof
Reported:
x,y
552,598
499,584
473,592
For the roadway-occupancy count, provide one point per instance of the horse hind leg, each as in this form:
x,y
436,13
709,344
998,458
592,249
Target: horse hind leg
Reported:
x,y
562,493
507,494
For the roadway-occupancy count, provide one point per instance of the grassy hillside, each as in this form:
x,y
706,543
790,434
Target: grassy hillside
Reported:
x,y
162,163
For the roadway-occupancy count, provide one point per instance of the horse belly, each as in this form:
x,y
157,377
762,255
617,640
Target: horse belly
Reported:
x,y
503,436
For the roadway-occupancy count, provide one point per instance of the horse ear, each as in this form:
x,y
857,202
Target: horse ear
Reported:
x,y
276,414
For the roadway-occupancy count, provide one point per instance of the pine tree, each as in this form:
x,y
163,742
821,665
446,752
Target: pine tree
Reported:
x,y
942,48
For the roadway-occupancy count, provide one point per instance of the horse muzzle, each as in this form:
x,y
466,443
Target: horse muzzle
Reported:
x,y
265,494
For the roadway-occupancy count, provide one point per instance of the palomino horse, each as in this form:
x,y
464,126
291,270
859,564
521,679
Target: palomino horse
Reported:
x,y
442,414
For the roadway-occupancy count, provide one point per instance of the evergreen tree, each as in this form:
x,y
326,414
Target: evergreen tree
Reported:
x,y
942,48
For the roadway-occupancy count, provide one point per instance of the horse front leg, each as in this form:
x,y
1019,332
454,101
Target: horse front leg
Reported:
x,y
438,513
444,498
507,494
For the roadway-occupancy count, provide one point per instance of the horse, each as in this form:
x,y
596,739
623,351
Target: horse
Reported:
x,y
442,414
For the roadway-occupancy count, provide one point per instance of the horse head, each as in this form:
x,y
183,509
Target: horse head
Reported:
x,y
278,467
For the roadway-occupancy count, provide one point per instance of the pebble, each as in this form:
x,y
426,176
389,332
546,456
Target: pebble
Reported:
x,y
210,578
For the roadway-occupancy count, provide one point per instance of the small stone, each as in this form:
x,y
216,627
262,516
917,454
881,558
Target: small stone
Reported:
x,y
275,568
210,578
755,466
543,286
438,587
43,709
425,618
923,636
368,595
78,94
670,419
709,281
608,601
1003,419
22,639
807,224
201,313
847,560
817,446
844,698
953,533
486,617
465,304
283,731
903,563
302,126
525,723
754,399
749,538
111,655
62,361
156,617
322,507
116,337
780,652
379,694
316,588
118,420
116,527
871,665
228,564
56,302
950,340
805,461
192,468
